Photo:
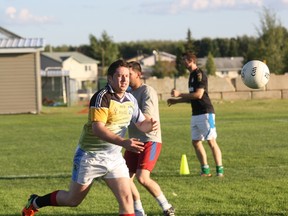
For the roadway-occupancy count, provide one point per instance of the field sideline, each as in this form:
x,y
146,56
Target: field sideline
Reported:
x,y
37,150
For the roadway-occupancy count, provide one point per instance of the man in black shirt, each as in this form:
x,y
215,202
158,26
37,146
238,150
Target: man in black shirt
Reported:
x,y
203,115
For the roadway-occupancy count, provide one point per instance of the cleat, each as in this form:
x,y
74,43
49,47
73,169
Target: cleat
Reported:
x,y
29,209
169,212
205,174
220,175
140,213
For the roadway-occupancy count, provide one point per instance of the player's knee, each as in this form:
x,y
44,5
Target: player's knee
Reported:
x,y
142,180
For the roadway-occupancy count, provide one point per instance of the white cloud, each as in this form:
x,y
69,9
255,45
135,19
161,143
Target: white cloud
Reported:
x,y
10,12
178,6
24,16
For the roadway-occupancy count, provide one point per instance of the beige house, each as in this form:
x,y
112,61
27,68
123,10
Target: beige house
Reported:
x,y
20,79
79,72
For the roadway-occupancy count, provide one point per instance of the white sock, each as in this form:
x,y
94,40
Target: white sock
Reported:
x,y
138,206
163,202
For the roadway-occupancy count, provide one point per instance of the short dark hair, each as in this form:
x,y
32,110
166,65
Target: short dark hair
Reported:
x,y
190,56
135,66
116,64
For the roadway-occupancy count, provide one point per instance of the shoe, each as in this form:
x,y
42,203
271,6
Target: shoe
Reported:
x,y
29,209
205,174
220,175
139,213
169,212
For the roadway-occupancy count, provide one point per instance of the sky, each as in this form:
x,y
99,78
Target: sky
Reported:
x,y
70,22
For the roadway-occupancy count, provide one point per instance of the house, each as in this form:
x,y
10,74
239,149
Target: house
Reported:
x,y
75,72
225,66
148,61
20,79
157,56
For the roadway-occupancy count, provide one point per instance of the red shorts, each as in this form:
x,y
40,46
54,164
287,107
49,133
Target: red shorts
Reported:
x,y
146,159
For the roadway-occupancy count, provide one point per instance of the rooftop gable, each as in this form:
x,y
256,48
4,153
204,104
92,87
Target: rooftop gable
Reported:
x,y
63,56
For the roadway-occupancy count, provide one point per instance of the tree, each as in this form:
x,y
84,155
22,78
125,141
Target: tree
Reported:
x,y
163,69
189,46
272,42
104,49
210,65
180,68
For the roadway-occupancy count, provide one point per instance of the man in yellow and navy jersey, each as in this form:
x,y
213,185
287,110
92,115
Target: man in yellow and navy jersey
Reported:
x,y
98,154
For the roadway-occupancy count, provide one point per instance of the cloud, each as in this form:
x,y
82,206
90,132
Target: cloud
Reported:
x,y
25,17
180,6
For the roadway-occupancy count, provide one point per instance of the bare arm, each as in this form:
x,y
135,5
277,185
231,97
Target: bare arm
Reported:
x,y
184,97
101,131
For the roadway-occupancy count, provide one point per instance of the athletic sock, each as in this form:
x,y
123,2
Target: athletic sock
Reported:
x,y
205,169
46,200
220,169
138,206
163,202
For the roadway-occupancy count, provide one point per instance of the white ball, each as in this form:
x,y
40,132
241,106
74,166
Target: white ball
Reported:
x,y
255,74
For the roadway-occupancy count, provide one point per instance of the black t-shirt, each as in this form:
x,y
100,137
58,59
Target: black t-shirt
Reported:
x,y
198,79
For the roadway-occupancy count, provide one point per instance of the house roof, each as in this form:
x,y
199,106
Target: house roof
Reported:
x,y
62,56
8,34
13,43
224,63
21,43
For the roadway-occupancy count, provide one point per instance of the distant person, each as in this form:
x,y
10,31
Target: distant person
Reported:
x,y
203,115
99,154
142,164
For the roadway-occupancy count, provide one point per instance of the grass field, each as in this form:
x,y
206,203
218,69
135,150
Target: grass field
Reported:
x,y
37,150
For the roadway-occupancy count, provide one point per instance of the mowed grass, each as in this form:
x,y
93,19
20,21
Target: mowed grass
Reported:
x,y
37,151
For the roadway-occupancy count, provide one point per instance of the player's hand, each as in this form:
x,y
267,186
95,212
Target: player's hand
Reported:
x,y
171,101
154,124
175,93
133,145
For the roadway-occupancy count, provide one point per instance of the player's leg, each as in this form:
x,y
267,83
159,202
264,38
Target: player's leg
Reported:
x,y
217,154
211,139
131,159
138,207
200,152
154,189
71,198
198,129
146,163
122,191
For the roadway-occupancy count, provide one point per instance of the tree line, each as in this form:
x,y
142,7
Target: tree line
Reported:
x,y
270,46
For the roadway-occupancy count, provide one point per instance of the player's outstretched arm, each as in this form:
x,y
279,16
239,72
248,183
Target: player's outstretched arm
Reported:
x,y
149,124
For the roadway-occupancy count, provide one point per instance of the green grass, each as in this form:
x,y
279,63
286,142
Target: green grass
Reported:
x,y
37,151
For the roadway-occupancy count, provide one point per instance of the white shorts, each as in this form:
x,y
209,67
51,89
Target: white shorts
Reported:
x,y
203,127
90,165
